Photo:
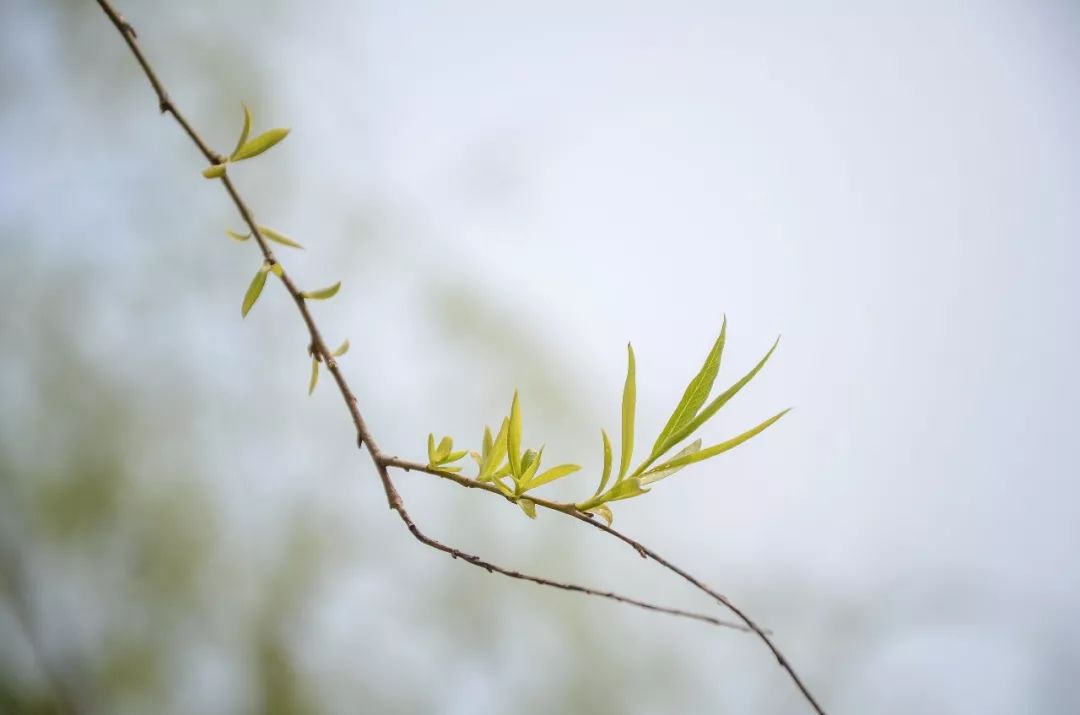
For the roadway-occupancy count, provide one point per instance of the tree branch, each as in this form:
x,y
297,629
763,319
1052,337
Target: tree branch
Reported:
x,y
384,462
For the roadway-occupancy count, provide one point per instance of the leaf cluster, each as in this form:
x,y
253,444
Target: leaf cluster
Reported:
x,y
247,148
503,461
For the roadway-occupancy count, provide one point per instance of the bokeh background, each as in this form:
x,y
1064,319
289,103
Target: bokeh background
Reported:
x,y
510,192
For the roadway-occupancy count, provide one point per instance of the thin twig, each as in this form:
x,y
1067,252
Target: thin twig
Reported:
x,y
382,461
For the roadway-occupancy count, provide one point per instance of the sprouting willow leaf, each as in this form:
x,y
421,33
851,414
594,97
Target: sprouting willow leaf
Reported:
x,y
625,489
528,507
214,172
322,293
259,144
607,462
277,270
342,349
604,512
506,491
454,456
314,376
495,457
552,474
485,446
278,237
244,133
723,446
446,468
234,235
254,289
658,473
529,465
431,449
629,407
721,400
513,437
445,445
696,392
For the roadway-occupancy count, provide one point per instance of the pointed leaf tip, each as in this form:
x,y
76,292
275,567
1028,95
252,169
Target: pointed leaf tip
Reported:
x,y
276,237
259,144
322,293
244,132
254,290
629,409
314,376
342,349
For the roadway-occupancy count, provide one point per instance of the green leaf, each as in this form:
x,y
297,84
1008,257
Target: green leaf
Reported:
x,y
445,445
624,490
552,474
629,407
237,236
513,437
259,144
278,237
494,458
604,512
254,290
431,449
444,468
314,376
529,464
528,507
658,473
342,349
277,270
485,446
696,392
244,133
607,463
322,293
721,400
454,456
214,172
723,446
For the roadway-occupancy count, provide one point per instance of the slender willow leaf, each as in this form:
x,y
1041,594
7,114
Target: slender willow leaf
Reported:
x,y
214,172
445,445
607,463
445,468
528,507
715,405
629,407
322,293
237,236
431,449
513,437
278,237
655,475
254,289
342,349
529,465
696,392
494,458
314,376
552,474
604,512
723,446
259,144
624,490
454,456
244,132
485,447
277,270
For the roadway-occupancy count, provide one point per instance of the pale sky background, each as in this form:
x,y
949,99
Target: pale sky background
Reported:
x,y
510,192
